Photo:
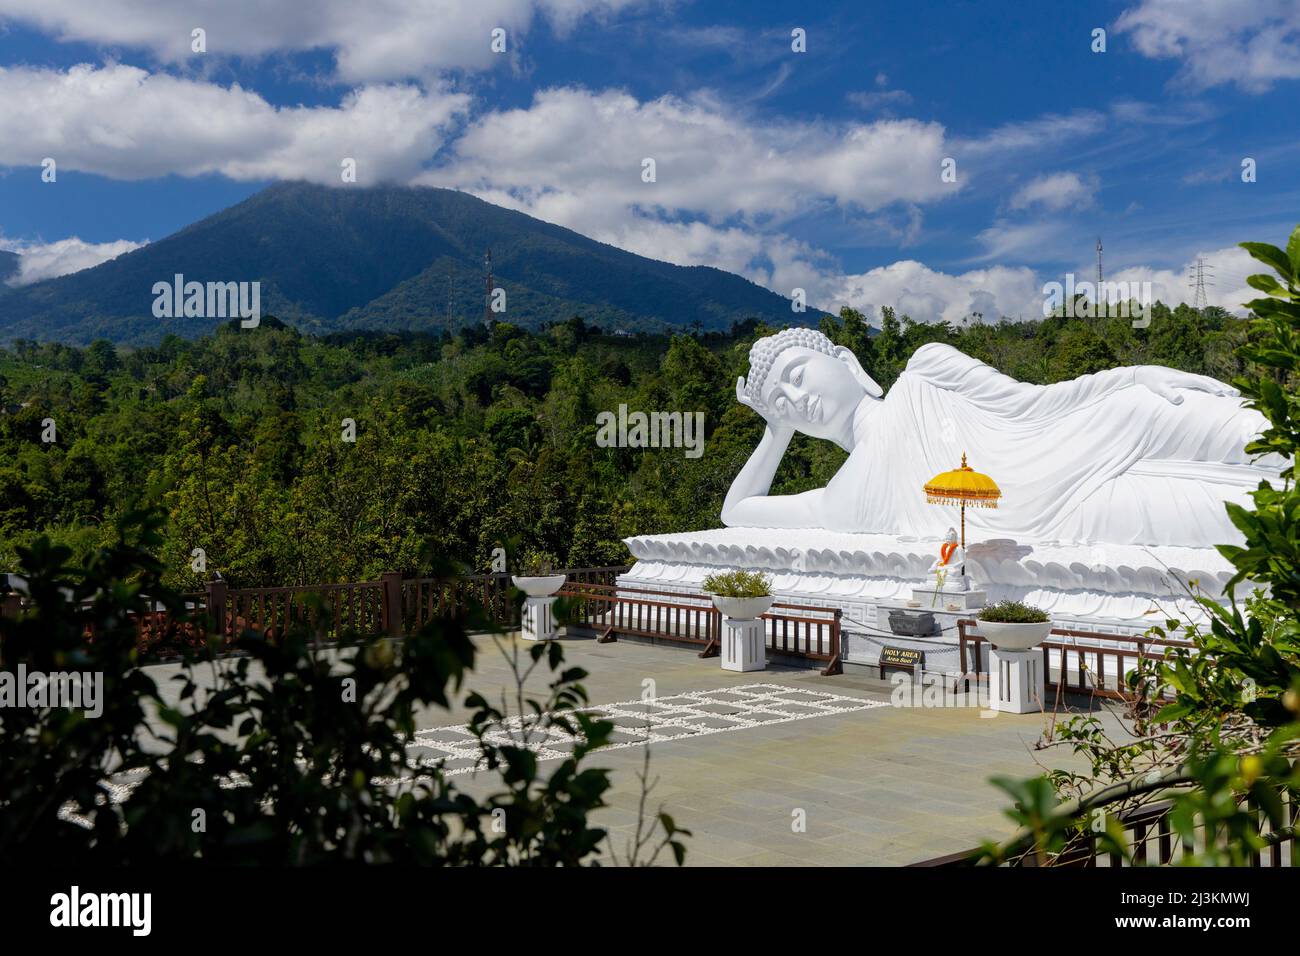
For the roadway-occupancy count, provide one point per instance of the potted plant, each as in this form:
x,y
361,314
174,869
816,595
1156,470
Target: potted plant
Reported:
x,y
740,595
536,579
1014,626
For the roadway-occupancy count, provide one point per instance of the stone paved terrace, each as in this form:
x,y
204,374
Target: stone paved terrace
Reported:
x,y
880,785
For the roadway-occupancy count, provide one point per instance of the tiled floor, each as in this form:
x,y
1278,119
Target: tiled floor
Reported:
x,y
643,723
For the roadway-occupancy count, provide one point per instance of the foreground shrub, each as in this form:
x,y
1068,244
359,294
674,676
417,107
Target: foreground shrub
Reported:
x,y
288,753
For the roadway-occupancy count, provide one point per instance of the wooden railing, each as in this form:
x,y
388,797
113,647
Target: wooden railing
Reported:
x,y
330,610
423,599
795,630
393,605
390,605
1084,668
1151,841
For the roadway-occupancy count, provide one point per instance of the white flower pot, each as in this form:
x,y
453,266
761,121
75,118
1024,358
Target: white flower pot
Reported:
x,y
540,586
743,608
1014,637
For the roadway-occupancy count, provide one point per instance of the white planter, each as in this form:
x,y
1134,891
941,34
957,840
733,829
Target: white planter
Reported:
x,y
541,586
743,608
1014,637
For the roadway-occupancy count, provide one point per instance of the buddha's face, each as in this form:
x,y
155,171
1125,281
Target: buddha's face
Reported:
x,y
813,393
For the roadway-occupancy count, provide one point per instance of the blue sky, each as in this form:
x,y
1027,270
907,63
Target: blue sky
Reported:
x,y
817,170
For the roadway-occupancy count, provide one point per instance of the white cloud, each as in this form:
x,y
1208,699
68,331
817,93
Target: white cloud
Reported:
x,y
575,156
1055,192
879,99
1045,132
1032,240
124,122
380,40
1218,42
929,295
45,260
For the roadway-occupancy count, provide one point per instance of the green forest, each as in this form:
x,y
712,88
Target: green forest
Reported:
x,y
461,443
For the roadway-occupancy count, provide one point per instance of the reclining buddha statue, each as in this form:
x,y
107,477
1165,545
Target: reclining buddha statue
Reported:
x,y
1142,455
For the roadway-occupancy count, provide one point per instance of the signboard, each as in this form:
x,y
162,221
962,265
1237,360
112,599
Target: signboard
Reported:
x,y
900,657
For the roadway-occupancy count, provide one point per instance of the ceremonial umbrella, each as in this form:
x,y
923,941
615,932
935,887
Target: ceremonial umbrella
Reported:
x,y
963,486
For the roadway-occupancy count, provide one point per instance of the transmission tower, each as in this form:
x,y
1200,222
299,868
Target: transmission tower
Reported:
x,y
1100,299
487,300
1200,277
450,269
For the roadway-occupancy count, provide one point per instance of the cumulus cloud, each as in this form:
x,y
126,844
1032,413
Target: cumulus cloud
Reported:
x,y
574,155
930,295
45,260
384,40
124,122
1055,192
1252,45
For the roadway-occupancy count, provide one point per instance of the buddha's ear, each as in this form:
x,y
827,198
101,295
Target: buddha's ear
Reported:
x,y
845,355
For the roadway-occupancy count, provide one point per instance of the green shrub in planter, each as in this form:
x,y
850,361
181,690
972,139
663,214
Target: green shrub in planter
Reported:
x,y
1013,612
740,584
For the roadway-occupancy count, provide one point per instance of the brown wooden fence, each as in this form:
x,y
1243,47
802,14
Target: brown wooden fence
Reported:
x,y
393,604
1085,668
794,630
423,599
389,605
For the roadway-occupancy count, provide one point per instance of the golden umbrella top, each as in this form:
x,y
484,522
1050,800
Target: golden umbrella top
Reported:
x,y
963,486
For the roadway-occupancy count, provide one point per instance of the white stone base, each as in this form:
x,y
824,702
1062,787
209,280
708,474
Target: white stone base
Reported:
x,y
1016,680
538,619
743,645
1109,588
932,600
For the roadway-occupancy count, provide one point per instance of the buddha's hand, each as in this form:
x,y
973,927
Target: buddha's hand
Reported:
x,y
774,423
1165,382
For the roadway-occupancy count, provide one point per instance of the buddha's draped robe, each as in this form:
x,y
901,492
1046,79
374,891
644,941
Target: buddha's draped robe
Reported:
x,y
1095,460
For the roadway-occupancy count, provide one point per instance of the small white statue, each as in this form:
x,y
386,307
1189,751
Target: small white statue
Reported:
x,y
951,554
949,568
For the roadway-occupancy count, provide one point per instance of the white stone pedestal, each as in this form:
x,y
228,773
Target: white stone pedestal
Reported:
x,y
932,600
1016,682
743,646
538,620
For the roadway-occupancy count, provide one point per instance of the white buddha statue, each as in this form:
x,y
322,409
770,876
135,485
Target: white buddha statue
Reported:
x,y
1136,455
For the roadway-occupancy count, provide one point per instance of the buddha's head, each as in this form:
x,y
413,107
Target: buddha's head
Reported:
x,y
803,379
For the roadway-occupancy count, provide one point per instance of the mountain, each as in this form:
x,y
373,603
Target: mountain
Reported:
x,y
385,257
8,265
